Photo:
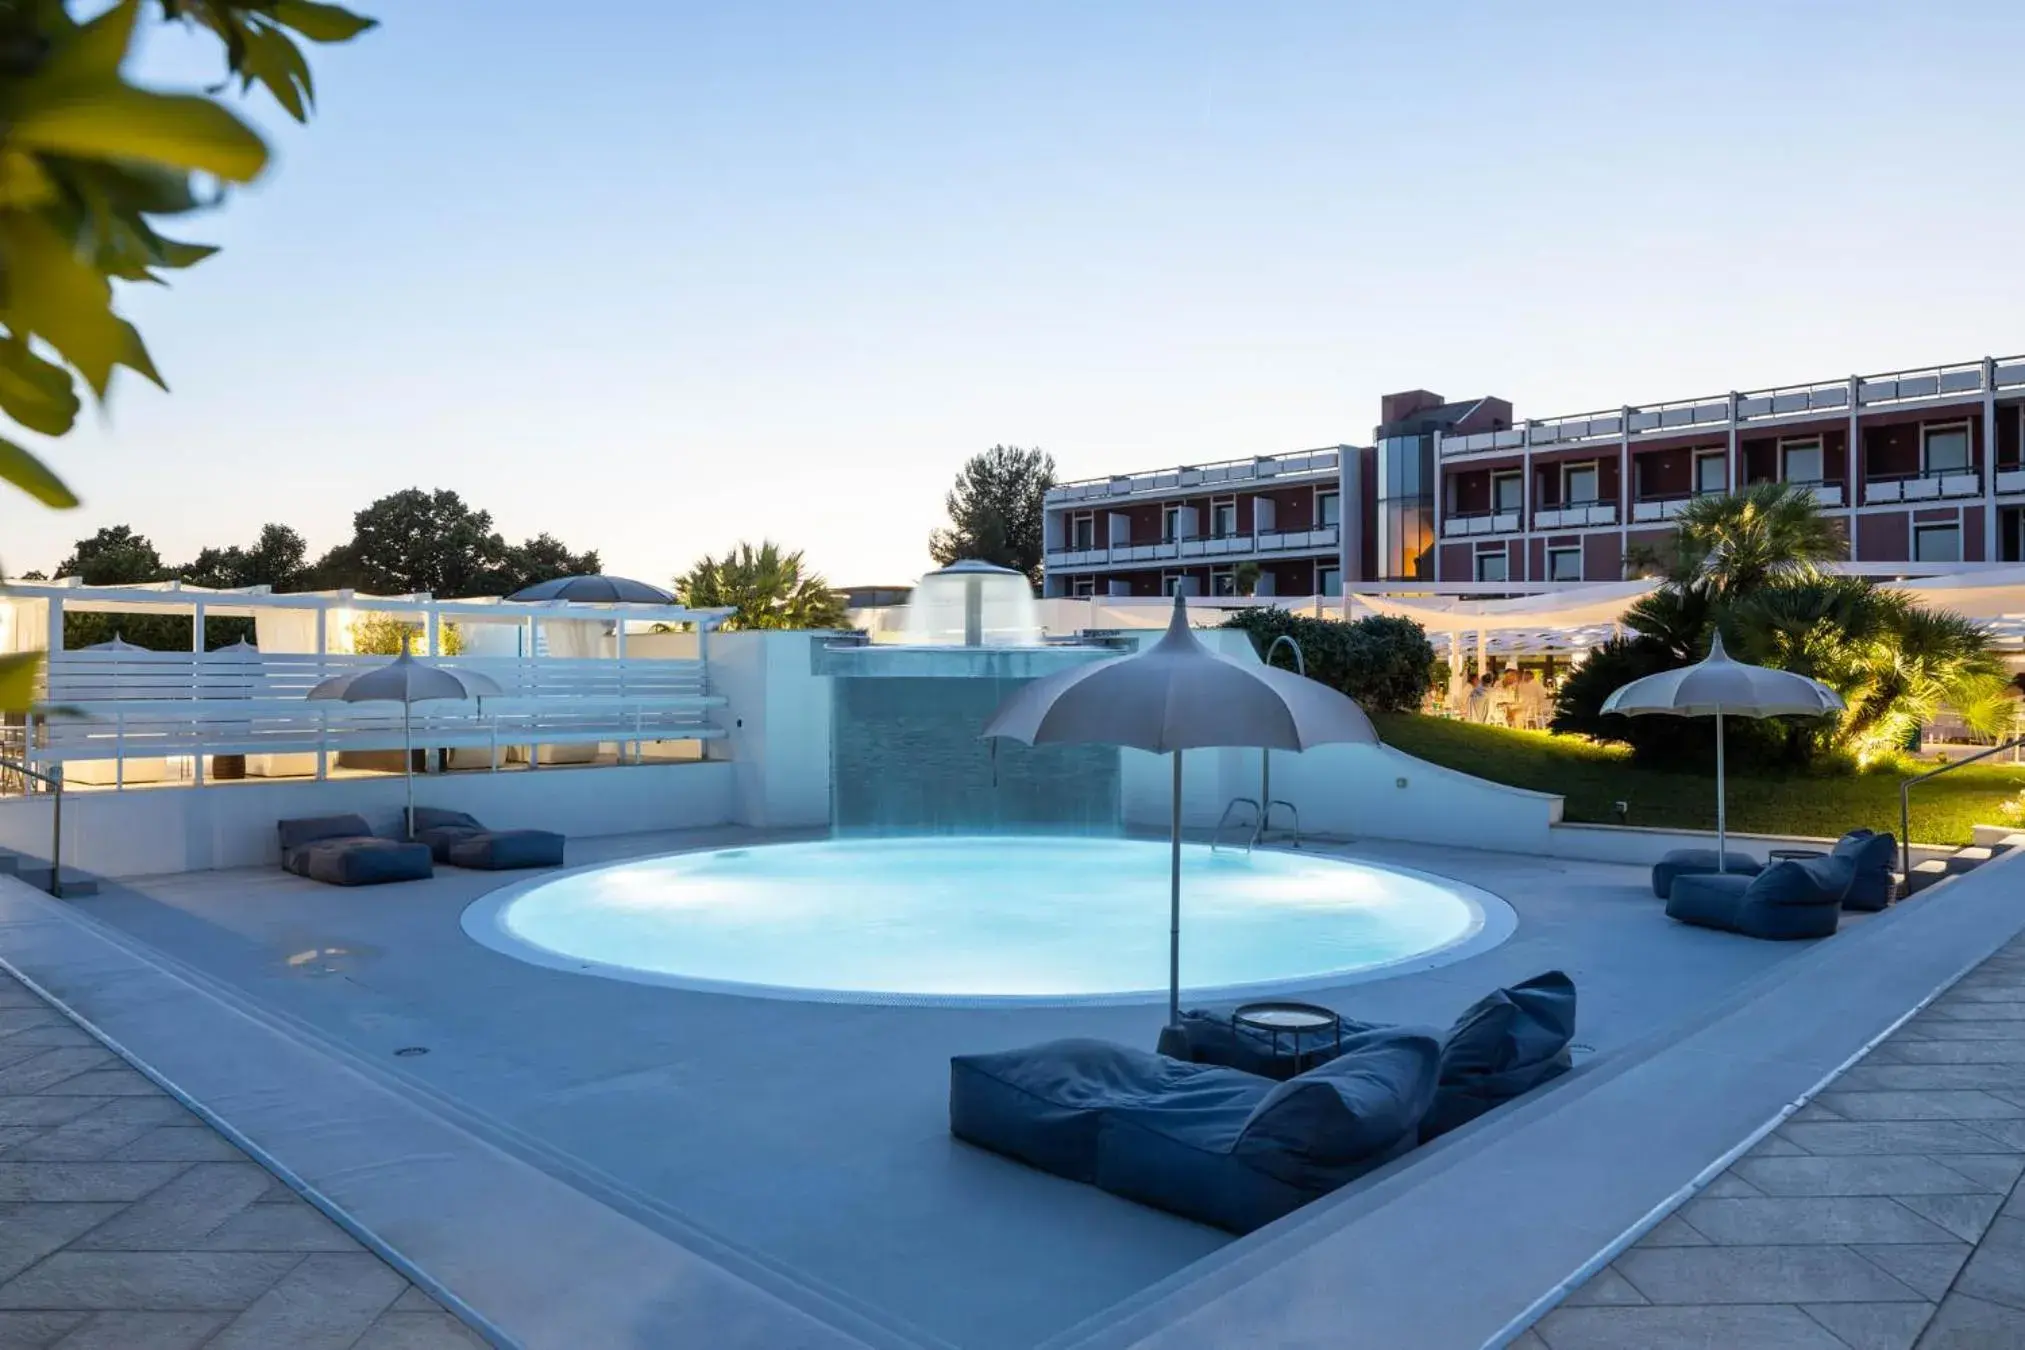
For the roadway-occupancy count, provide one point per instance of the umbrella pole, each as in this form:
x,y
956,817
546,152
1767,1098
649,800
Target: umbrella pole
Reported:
x,y
1174,904
408,763
1722,801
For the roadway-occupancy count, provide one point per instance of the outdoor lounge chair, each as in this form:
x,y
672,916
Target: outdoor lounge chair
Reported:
x,y
344,851
1217,1145
1872,855
459,840
1793,898
1684,862
1502,1046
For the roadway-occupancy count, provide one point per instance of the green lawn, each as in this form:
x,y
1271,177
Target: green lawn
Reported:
x,y
1592,777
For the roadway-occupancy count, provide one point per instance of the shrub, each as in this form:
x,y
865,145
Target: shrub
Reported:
x,y
1659,740
1381,662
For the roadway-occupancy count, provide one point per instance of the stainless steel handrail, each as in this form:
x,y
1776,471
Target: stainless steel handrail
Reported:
x,y
1266,802
1905,796
55,783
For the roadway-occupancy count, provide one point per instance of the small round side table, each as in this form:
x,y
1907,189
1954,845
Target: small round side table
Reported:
x,y
1293,1021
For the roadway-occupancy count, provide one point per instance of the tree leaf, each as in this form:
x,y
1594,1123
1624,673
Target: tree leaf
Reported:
x,y
57,296
29,474
320,22
112,120
36,393
96,50
17,681
24,182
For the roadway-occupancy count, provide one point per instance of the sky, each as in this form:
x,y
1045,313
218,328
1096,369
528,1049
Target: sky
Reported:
x,y
658,277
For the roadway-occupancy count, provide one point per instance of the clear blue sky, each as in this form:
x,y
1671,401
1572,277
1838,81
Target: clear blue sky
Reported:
x,y
656,277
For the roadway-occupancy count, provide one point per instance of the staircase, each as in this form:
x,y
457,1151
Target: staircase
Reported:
x,y
1990,842
35,871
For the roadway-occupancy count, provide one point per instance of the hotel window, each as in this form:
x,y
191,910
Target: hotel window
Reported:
x,y
1222,581
1712,473
1223,518
1800,461
1170,525
1579,486
1493,566
1944,449
1328,509
1174,583
1506,490
1937,543
1083,531
1330,579
1083,587
1564,564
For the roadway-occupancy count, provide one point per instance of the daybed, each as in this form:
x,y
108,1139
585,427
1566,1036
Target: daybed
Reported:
x,y
1217,1145
1793,898
344,851
459,840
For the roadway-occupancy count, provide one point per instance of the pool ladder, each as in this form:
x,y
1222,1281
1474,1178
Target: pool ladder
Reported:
x,y
1262,816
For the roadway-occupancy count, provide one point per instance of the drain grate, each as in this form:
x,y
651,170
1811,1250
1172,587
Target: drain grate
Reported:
x,y
410,1051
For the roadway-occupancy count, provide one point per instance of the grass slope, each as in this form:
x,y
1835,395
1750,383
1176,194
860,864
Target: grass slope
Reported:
x,y
1591,777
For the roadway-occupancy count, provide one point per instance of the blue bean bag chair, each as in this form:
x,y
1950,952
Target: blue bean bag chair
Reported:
x,y
1685,862
1216,1145
1873,856
1503,1046
1793,898
343,851
457,838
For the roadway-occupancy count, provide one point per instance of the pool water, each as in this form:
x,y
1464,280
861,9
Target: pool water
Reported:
x,y
966,920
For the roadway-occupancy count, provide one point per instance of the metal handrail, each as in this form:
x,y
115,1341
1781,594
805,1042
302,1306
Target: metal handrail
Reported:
x,y
55,784
1266,802
1905,795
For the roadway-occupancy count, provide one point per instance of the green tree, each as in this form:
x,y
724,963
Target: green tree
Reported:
x,y
766,587
117,556
276,560
995,511
421,541
89,165
543,558
1752,567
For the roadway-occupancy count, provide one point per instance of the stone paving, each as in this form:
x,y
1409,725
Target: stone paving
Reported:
x,y
126,1223
1887,1214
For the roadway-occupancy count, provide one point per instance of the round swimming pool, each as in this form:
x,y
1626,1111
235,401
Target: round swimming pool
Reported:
x,y
980,920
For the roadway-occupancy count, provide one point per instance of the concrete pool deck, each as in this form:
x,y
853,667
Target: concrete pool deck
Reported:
x,y
800,1151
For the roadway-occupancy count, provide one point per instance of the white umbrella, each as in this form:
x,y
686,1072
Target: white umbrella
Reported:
x,y
407,682
1721,686
1179,695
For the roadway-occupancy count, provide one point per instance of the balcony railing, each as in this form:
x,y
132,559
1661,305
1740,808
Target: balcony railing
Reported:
x,y
2011,480
1202,547
1930,485
1575,515
1781,403
1480,522
1262,470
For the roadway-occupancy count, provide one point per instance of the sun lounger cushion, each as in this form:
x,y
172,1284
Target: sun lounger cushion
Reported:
x,y
1872,856
499,850
1214,1144
1684,862
457,838
1789,899
296,835
1503,1046
365,862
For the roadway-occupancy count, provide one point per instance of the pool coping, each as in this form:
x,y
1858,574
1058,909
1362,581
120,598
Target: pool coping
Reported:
x,y
1493,921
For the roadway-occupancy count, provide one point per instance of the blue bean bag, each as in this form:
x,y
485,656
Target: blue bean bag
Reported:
x,y
1217,1145
1684,862
1790,899
1873,857
456,838
1503,1046
343,851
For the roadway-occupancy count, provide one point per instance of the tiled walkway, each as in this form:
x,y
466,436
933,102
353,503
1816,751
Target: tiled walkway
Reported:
x,y
1885,1215
126,1223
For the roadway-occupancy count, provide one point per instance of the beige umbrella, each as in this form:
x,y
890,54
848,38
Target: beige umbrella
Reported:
x,y
1179,695
1723,687
407,682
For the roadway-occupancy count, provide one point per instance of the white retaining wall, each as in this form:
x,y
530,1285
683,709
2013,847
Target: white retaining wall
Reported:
x,y
186,829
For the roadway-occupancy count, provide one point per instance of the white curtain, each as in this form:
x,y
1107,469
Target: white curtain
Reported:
x,y
289,630
574,637
24,625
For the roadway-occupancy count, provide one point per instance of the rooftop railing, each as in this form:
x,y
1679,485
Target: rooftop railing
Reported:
x,y
1260,469
1199,549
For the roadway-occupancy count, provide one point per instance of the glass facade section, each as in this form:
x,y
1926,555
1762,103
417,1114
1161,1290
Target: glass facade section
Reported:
x,y
1405,508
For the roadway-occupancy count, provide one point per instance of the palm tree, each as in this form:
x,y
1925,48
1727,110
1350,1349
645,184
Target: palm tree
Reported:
x,y
1770,532
764,586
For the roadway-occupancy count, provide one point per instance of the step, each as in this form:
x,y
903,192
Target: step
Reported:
x,y
1987,835
1964,859
34,872
1925,874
